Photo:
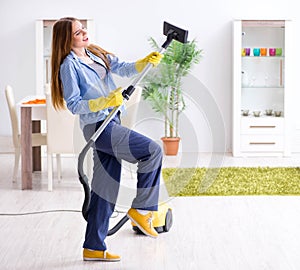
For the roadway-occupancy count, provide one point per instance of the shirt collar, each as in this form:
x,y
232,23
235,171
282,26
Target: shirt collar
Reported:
x,y
95,58
91,55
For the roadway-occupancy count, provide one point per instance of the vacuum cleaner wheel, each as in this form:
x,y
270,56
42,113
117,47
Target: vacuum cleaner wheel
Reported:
x,y
169,220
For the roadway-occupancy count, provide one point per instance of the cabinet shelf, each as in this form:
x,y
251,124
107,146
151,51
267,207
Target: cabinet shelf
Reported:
x,y
261,117
263,87
262,56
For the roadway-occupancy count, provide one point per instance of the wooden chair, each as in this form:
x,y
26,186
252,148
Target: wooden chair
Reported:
x,y
63,136
132,105
38,139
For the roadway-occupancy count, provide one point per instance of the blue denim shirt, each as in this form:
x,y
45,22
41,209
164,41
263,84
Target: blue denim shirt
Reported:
x,y
82,83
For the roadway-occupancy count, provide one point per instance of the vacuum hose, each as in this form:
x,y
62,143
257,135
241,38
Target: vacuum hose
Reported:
x,y
84,180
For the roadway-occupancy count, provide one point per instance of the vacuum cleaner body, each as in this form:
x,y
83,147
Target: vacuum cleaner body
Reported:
x,y
162,219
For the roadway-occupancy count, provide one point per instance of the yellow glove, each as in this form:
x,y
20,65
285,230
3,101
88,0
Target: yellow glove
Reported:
x,y
114,98
153,58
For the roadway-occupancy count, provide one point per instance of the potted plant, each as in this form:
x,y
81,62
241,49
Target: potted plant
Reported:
x,y
162,87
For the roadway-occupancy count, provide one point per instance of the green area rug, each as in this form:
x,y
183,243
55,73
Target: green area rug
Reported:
x,y
232,181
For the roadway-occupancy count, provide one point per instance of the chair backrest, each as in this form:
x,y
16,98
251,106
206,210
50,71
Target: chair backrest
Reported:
x,y
13,115
132,105
63,132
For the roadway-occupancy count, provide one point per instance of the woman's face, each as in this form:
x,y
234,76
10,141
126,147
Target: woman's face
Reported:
x,y
80,36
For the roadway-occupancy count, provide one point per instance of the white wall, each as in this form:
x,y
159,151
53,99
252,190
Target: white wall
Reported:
x,y
124,27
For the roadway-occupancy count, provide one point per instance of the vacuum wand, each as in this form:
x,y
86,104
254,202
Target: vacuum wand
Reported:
x,y
127,93
172,32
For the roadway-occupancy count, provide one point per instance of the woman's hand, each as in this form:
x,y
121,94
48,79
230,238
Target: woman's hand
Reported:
x,y
153,58
114,99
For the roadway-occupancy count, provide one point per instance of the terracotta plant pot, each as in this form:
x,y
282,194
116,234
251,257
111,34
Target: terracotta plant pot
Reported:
x,y
170,145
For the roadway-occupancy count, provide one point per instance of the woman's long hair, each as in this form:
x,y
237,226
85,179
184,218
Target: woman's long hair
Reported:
x,y
62,39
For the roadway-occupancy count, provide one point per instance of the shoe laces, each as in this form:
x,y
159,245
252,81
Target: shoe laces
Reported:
x,y
149,220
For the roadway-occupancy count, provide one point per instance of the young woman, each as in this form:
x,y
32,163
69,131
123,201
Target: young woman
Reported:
x,y
82,79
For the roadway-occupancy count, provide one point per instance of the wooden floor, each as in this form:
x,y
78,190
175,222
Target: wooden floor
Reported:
x,y
211,233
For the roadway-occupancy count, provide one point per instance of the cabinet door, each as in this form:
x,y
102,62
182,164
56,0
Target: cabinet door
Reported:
x,y
262,66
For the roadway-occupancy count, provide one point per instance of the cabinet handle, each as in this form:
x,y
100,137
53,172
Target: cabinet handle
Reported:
x,y
280,73
262,126
262,143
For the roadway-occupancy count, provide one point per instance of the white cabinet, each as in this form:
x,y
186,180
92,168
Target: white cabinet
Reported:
x,y
261,87
43,49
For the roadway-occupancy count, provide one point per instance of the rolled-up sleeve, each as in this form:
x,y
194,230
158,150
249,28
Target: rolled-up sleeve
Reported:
x,y
123,69
71,91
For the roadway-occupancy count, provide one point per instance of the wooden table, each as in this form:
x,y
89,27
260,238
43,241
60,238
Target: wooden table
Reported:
x,y
31,116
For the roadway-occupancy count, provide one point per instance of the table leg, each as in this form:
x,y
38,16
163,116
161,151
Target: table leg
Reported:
x,y
36,150
26,149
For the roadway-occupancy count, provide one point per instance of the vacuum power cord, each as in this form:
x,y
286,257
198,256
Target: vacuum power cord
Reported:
x,y
39,212
116,212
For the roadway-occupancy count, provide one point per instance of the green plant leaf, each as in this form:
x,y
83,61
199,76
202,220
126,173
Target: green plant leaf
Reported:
x,y
162,86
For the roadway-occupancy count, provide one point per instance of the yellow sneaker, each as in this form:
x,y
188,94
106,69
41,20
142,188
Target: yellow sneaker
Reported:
x,y
99,255
143,222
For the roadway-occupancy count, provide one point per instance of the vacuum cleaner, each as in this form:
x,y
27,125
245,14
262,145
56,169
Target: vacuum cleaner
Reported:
x,y
163,218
